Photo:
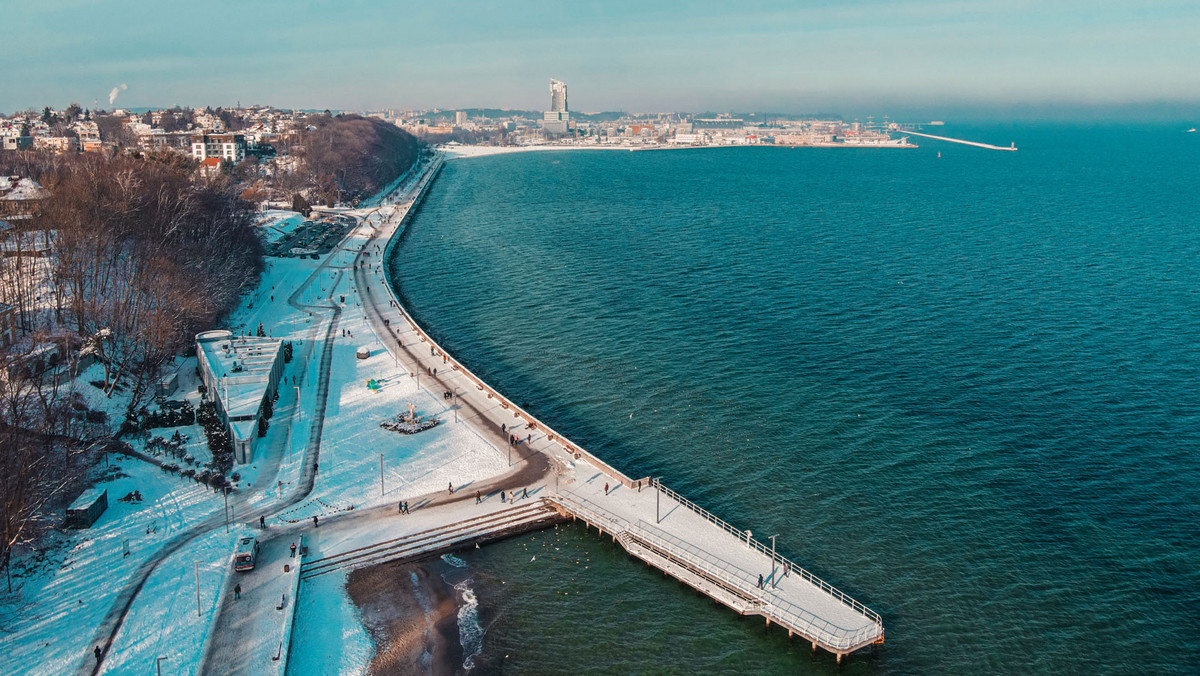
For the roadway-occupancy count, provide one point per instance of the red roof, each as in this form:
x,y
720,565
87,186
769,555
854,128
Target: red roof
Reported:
x,y
211,162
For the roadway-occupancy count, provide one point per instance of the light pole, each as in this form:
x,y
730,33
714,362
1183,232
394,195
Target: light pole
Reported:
x,y
380,475
225,492
456,405
657,499
774,582
158,664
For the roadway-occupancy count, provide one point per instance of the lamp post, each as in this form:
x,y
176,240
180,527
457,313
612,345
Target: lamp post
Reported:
x,y
380,475
456,405
774,582
225,492
657,499
158,664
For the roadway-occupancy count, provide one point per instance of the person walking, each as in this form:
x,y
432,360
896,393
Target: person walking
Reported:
x,y
760,581
451,488
293,550
400,508
316,524
406,507
525,493
501,497
237,591
98,653
262,521
606,489
477,500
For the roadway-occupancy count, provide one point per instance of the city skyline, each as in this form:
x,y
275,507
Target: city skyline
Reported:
x,y
876,58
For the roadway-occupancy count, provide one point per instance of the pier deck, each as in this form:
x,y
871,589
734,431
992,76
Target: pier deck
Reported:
x,y
670,533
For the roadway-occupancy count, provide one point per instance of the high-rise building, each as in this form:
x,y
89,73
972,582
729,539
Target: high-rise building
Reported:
x,y
460,118
558,96
555,120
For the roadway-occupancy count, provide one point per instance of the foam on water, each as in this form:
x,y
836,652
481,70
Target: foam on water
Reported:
x,y
470,633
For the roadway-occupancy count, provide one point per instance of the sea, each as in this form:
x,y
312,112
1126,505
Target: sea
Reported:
x,y
961,385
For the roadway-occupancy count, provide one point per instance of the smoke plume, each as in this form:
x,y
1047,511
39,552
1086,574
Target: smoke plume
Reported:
x,y
112,96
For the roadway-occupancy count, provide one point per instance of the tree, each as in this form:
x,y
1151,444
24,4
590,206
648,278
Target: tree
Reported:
x,y
47,115
73,112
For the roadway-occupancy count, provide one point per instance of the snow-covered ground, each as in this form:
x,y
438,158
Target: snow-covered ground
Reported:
x,y
277,223
53,617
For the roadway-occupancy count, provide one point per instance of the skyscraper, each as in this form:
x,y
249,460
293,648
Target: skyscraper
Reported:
x,y
558,96
554,121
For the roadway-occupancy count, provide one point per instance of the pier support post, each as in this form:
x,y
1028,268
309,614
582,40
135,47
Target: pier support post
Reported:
x,y
814,648
840,656
768,622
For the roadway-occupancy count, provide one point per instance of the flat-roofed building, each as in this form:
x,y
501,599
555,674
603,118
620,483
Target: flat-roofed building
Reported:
x,y
242,375
230,147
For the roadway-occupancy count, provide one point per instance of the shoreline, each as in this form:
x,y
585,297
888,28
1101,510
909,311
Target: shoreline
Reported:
x,y
411,613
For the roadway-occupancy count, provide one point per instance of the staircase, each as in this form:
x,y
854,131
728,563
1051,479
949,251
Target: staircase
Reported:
x,y
538,513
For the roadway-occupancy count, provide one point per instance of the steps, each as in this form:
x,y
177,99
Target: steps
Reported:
x,y
435,540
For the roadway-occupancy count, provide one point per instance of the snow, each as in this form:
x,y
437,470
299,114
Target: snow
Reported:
x,y
54,610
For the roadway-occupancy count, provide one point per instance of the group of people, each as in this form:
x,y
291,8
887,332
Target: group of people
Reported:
x,y
403,507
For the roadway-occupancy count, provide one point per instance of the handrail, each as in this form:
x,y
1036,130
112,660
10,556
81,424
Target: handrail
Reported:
x,y
742,535
780,609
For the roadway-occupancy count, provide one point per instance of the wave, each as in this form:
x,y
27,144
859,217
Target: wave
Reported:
x,y
454,561
470,633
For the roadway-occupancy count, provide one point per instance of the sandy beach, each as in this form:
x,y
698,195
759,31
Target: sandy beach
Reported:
x,y
411,614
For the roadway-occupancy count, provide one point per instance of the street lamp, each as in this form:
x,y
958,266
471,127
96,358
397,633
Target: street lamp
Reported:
x,y
774,582
657,499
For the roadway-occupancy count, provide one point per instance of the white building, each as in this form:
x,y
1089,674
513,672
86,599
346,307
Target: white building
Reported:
x,y
242,375
230,147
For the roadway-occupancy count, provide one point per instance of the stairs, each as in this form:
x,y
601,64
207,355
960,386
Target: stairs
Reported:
x,y
435,540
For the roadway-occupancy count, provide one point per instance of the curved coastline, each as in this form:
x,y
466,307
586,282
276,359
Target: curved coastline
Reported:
x,y
394,239
872,634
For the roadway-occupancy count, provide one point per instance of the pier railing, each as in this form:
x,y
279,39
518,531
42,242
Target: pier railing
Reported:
x,y
751,542
731,576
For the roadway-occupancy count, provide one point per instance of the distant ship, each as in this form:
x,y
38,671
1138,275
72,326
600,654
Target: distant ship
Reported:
x,y
1192,130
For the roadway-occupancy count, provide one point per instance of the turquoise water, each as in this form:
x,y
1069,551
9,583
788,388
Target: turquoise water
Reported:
x,y
963,390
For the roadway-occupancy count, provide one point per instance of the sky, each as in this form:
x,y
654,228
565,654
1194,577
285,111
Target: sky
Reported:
x,y
855,57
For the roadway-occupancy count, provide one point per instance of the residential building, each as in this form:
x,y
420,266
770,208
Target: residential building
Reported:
x,y
210,168
18,142
230,147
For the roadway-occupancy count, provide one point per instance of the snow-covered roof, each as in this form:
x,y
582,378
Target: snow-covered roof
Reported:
x,y
241,367
17,188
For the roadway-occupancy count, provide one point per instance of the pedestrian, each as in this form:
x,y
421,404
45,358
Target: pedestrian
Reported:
x,y
760,581
525,493
262,521
786,569
477,500
293,550
504,428
501,497
98,654
237,591
451,488
528,438
406,507
315,523
606,489
400,508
